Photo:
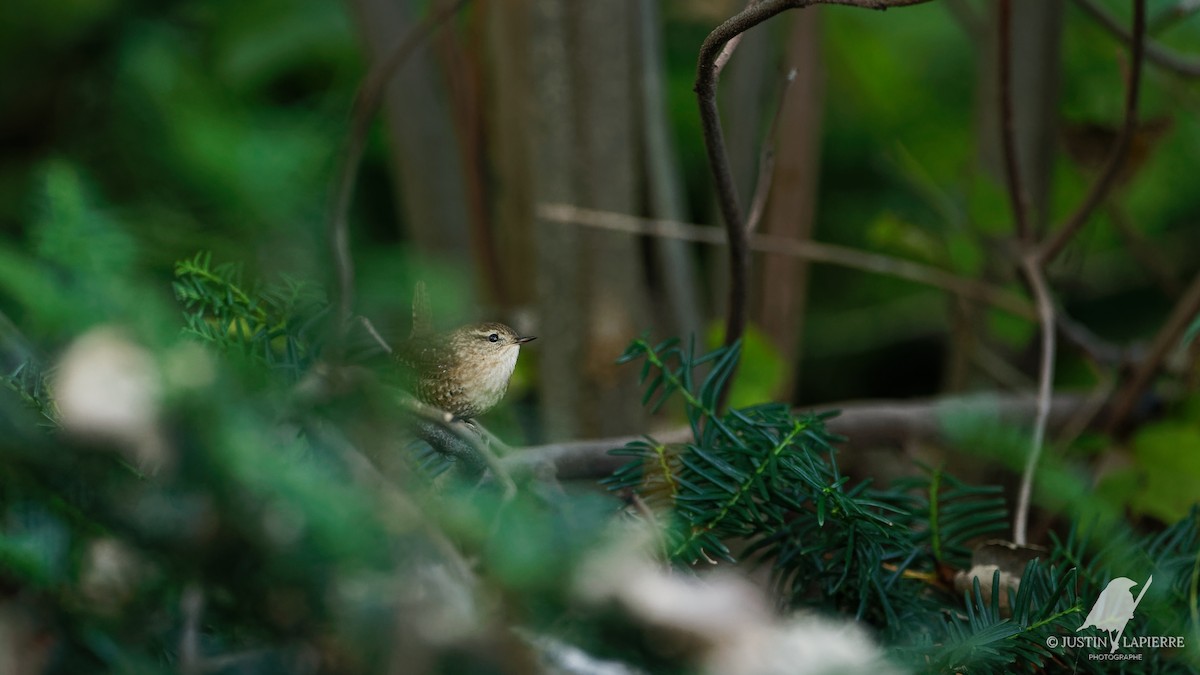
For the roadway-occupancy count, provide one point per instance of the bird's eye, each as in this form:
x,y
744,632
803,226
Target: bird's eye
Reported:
x,y
494,337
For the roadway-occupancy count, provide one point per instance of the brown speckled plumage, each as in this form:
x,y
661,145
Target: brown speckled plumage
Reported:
x,y
464,372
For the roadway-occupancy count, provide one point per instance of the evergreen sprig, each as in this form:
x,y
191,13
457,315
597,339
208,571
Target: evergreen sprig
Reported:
x,y
29,383
767,478
272,322
762,484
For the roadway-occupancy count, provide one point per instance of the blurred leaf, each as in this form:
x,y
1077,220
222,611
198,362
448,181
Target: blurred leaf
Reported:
x,y
988,207
966,256
1013,331
891,234
71,232
1168,462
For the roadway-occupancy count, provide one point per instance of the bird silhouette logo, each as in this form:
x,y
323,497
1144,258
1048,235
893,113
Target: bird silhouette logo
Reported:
x,y
1114,608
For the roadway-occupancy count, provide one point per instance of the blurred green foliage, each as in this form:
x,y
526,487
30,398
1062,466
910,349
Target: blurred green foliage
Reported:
x,y
135,134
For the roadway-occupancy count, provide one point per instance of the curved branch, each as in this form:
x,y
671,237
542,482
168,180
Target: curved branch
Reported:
x,y
1045,306
1116,158
714,142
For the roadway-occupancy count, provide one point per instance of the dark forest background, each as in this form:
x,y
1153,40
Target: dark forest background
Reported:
x,y
921,188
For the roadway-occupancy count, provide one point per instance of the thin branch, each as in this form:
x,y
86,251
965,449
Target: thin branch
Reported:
x,y
1120,150
766,161
366,104
1093,346
1157,54
1012,176
1045,306
370,328
831,254
714,141
1168,339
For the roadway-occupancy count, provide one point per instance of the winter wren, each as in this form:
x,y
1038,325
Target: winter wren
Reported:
x,y
464,372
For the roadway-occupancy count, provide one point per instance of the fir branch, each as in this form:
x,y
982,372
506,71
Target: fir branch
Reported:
x,y
744,489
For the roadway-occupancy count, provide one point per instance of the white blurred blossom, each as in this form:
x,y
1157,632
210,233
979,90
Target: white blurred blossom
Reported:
x,y
109,389
721,622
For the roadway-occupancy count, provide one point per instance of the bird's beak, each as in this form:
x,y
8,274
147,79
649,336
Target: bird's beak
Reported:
x,y
523,340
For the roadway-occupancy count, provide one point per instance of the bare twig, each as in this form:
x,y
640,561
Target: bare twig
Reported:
x,y
1045,306
809,250
1012,176
714,141
366,104
1093,346
1155,53
766,161
1116,159
370,328
1168,339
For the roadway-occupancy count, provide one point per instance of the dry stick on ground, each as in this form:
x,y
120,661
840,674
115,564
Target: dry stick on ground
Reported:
x,y
366,105
865,424
831,254
1155,53
1116,159
707,72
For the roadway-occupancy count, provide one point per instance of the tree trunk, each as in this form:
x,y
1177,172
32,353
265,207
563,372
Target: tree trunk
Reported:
x,y
591,284
427,163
